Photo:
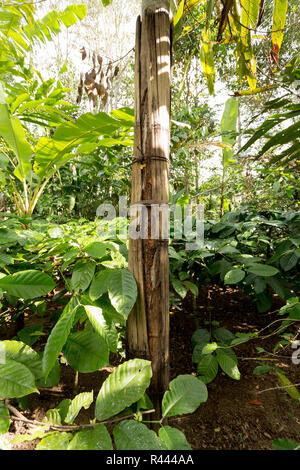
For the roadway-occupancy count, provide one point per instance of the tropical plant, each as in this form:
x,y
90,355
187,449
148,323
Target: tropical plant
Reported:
x,y
121,396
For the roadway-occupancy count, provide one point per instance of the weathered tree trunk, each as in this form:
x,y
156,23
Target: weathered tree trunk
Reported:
x,y
148,323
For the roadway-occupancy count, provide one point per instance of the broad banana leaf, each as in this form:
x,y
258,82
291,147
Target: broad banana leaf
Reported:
x,y
12,131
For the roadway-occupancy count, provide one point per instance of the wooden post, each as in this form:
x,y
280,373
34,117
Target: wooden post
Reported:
x,y
148,323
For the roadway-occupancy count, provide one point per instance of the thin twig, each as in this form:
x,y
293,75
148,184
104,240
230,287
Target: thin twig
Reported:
x,y
278,388
58,427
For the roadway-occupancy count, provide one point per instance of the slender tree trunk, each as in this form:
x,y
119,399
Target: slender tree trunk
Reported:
x,y
148,323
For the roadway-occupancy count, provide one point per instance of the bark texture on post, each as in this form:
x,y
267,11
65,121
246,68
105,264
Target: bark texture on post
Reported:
x,y
148,323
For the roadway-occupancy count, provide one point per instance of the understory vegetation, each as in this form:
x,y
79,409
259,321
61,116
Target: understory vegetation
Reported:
x,y
67,132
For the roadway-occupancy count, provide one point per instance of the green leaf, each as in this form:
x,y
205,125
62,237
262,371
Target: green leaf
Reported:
x,y
207,368
228,365
285,444
263,369
27,284
249,13
85,351
179,13
20,352
97,438
16,380
234,276
58,336
122,291
228,127
131,435
55,441
4,423
53,416
52,379
207,59
223,335
13,133
197,352
262,270
82,400
279,16
209,348
50,25
82,275
99,284
193,288
124,386
102,326
63,408
51,153
288,386
179,288
96,249
288,261
30,334
185,395
173,438
279,286
200,336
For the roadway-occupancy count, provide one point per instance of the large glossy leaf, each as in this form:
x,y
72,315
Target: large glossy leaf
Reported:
x,y
124,386
99,284
96,249
55,441
16,380
68,136
27,284
173,438
82,400
20,352
58,336
97,438
234,276
200,336
288,261
122,291
131,435
185,395
228,365
85,351
207,368
262,270
13,133
103,326
82,275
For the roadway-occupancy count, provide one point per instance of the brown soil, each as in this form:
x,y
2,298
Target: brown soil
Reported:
x,y
238,414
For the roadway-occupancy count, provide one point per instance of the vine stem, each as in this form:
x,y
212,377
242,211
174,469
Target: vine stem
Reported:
x,y
58,427
278,388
